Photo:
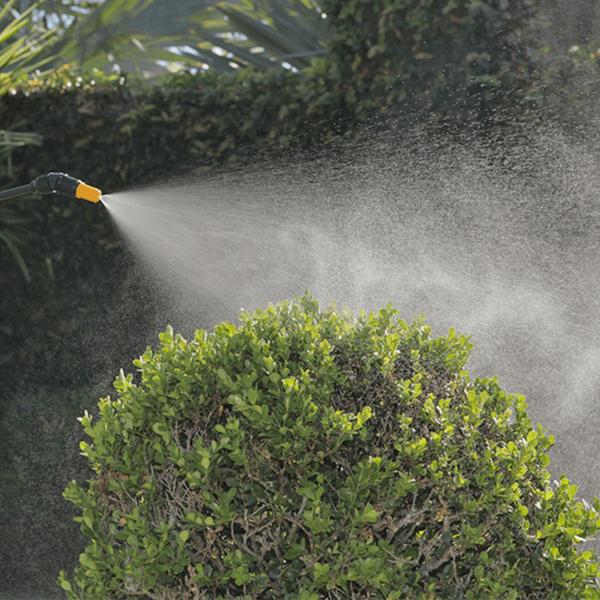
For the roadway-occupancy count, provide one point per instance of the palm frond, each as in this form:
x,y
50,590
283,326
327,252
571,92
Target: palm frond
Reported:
x,y
11,241
9,140
21,45
197,33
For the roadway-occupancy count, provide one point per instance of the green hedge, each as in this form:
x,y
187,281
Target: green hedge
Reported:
x,y
306,454
465,58
122,134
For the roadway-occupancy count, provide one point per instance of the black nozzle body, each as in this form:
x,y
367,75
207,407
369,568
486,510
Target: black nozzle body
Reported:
x,y
51,183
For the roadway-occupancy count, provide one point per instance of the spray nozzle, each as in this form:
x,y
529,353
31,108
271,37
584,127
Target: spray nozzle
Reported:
x,y
55,183
62,183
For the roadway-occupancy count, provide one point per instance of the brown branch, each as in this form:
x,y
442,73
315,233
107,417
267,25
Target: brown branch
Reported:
x,y
296,521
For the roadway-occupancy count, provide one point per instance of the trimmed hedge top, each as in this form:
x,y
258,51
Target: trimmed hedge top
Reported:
x,y
309,454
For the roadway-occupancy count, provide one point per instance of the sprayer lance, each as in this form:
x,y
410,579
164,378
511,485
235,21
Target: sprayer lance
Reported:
x,y
55,183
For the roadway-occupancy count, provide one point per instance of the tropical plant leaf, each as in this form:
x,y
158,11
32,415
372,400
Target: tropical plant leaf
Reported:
x,y
282,40
12,243
139,35
21,45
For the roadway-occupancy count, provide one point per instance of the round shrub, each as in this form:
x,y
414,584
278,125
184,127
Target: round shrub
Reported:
x,y
310,454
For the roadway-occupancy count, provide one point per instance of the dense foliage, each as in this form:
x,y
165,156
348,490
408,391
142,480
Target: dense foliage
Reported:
x,y
307,454
121,134
463,56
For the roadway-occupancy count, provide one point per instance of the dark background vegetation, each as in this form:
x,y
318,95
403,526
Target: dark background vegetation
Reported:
x,y
455,66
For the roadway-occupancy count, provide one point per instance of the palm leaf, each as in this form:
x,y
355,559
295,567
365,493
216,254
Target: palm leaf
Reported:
x,y
11,242
238,53
110,28
223,35
287,31
21,45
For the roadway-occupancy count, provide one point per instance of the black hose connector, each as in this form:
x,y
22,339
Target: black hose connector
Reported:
x,y
16,192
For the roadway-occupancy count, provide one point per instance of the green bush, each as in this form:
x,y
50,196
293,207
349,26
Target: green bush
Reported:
x,y
307,454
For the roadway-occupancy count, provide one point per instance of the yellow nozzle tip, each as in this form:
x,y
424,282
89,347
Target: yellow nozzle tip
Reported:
x,y
87,192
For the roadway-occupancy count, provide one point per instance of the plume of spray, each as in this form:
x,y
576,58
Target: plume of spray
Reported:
x,y
506,251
